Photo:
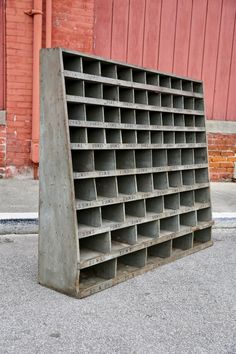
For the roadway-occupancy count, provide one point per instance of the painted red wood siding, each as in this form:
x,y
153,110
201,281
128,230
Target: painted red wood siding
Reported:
x,y
195,38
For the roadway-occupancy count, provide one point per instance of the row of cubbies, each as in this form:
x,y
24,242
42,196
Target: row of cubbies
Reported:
x,y
128,136
125,94
150,208
108,114
95,189
126,264
116,71
106,160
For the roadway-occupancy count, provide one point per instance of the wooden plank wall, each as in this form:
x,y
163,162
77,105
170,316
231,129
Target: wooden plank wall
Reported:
x,y
195,38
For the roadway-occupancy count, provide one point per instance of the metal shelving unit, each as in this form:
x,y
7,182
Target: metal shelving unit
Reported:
x,y
124,183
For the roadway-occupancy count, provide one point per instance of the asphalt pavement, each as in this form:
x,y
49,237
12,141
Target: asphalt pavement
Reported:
x,y
188,306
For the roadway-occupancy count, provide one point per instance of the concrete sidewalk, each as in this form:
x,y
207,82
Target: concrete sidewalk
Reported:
x,y
19,205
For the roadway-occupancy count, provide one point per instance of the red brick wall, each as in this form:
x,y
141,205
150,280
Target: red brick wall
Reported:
x,y
72,27
222,156
18,85
2,151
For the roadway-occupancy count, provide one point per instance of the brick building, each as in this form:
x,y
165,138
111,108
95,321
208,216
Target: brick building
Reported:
x,y
195,38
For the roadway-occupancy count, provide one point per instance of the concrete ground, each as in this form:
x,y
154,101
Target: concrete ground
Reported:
x,y
188,306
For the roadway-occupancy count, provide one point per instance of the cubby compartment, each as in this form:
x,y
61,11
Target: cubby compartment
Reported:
x,y
204,215
83,160
198,104
169,225
180,137
142,117
96,135
155,118
93,90
148,229
182,243
92,67
200,138
143,137
178,102
172,201
131,262
188,177
76,111
164,81
201,175
143,158
139,76
72,62
104,160
140,96
89,217
156,137
114,212
126,94
125,159
135,208
189,120
161,250
124,73
113,136
107,187
154,99
123,237
94,246
202,195
174,178
110,93
197,87
189,103
187,85
166,100
179,120
97,274
94,113
200,155
190,137
159,158
127,184
152,79
201,236
78,135
111,114
167,119
168,137
187,198
187,157
127,116
200,121
188,219
144,183
129,137
176,83
160,180
86,189
74,87
174,157
155,205
109,70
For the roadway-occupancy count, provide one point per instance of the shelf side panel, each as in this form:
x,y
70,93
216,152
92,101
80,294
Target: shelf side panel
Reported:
x,y
58,242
